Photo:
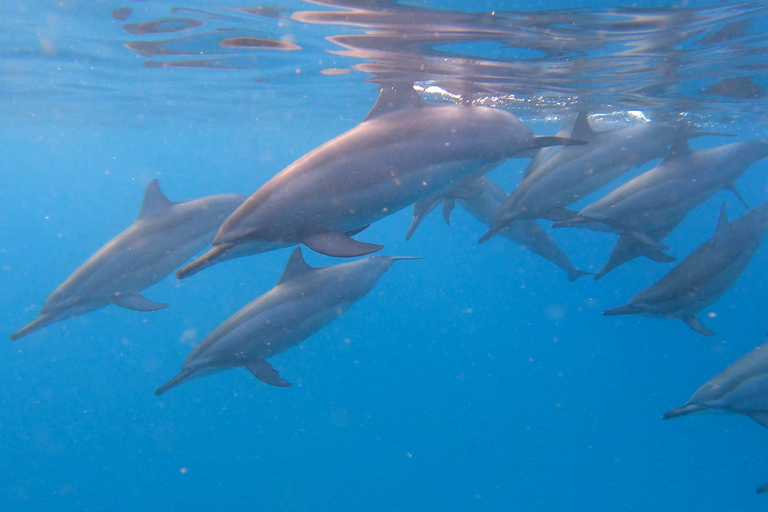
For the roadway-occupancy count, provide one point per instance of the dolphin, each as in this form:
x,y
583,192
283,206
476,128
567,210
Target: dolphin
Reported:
x,y
741,388
705,275
403,151
303,301
577,171
165,235
664,195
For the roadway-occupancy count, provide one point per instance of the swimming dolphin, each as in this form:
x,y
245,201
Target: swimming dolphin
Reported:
x,y
303,301
705,275
741,388
577,171
664,195
404,150
482,199
165,235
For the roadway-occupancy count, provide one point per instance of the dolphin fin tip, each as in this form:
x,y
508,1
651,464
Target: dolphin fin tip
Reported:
x,y
575,274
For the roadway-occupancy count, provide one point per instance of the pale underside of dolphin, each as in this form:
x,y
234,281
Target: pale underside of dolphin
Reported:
x,y
575,172
402,152
303,301
704,276
164,236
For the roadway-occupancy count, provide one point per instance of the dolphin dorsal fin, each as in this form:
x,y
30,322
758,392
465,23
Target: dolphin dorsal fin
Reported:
x,y
295,267
581,128
154,200
397,97
680,145
723,226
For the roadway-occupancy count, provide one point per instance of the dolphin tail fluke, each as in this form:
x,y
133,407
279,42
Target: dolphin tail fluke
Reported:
x,y
621,310
575,274
682,411
696,324
36,324
211,257
267,374
183,376
339,245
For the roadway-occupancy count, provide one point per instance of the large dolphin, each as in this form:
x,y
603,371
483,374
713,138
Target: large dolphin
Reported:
x,y
705,275
575,172
404,150
741,388
303,301
482,199
664,195
164,236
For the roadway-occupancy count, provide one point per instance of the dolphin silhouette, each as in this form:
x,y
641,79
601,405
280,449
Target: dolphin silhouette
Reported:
x,y
575,172
165,235
303,301
705,275
403,151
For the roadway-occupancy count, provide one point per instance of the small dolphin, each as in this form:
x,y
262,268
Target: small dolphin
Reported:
x,y
741,388
403,151
303,301
165,235
665,194
577,171
705,275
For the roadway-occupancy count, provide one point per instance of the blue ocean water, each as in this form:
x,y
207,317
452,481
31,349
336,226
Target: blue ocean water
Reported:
x,y
479,378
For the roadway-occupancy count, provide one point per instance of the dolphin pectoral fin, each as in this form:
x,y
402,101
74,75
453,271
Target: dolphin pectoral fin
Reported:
x,y
353,232
416,221
648,240
696,324
206,260
337,244
761,417
137,302
621,310
575,274
183,376
656,255
732,188
36,324
448,207
266,373
682,411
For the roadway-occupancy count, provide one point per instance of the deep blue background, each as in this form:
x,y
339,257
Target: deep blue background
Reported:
x,y
479,378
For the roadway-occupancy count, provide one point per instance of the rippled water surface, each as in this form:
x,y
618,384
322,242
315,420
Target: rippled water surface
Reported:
x,y
477,379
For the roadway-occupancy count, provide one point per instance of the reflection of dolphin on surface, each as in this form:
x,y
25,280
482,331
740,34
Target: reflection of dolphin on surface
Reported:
x,y
303,301
165,235
403,151
705,275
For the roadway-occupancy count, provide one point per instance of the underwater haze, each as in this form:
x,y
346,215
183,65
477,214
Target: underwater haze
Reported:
x,y
478,378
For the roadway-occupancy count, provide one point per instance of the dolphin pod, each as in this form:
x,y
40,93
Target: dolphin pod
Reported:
x,y
575,172
303,301
705,275
402,152
165,235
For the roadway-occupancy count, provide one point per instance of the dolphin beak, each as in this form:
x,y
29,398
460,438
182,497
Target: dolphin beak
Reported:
x,y
682,411
621,310
401,258
204,261
497,228
36,324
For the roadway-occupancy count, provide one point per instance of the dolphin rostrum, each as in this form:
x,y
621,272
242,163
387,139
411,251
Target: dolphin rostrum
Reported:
x,y
403,151
303,301
577,171
741,388
705,275
664,195
164,236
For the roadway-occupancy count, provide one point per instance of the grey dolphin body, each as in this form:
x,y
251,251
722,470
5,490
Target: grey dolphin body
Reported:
x,y
164,236
576,172
705,275
303,301
663,196
403,151
740,388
